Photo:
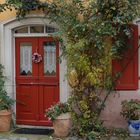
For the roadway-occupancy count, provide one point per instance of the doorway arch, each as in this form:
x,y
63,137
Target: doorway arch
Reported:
x,y
7,51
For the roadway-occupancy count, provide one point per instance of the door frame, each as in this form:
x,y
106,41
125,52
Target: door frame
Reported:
x,y
7,53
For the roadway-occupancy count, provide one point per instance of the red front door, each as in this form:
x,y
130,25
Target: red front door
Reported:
x,y
37,80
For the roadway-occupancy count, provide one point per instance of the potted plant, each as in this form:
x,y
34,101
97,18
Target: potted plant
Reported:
x,y
131,112
5,105
59,114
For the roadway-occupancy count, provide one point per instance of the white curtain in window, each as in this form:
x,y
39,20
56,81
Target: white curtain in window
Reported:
x,y
49,59
26,58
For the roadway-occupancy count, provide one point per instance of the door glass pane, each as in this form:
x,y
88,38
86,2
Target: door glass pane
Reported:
x,y
25,59
49,59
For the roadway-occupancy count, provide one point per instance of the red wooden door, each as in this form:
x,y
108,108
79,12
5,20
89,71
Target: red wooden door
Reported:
x,y
37,84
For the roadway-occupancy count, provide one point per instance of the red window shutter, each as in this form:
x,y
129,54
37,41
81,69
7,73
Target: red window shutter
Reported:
x,y
129,65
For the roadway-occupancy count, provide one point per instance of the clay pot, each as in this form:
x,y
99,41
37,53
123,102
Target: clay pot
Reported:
x,y
5,120
62,125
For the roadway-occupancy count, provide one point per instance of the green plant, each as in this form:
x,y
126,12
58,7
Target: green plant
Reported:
x,y
56,110
5,101
131,109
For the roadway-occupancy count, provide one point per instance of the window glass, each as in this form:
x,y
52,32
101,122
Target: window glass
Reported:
x,y
37,29
49,59
26,59
50,29
22,30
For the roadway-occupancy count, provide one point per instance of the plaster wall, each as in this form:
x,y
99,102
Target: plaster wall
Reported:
x,y
111,114
7,15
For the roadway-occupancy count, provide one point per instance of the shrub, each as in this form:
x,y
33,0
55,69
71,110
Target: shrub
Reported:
x,y
56,110
131,109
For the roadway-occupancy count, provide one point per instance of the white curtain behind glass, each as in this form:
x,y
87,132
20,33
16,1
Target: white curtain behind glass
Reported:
x,y
49,59
26,59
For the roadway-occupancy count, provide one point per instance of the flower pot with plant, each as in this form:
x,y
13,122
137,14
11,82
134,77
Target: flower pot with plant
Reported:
x,y
5,105
131,112
59,114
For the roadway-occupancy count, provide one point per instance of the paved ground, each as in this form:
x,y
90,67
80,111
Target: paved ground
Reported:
x,y
8,136
11,136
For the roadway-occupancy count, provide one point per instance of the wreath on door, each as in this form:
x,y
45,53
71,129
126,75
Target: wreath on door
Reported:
x,y
36,57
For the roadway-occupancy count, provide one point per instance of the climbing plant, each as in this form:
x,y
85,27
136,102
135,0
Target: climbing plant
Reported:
x,y
92,33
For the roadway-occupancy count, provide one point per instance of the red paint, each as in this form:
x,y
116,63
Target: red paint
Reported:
x,y
129,78
35,93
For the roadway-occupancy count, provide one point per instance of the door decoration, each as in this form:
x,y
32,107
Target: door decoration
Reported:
x,y
36,57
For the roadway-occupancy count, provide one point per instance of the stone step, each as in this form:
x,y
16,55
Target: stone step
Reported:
x,y
15,138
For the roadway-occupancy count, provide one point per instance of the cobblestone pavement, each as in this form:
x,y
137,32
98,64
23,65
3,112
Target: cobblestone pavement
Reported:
x,y
112,138
7,136
130,138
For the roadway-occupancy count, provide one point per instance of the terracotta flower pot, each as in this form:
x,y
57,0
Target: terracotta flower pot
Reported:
x,y
5,120
62,125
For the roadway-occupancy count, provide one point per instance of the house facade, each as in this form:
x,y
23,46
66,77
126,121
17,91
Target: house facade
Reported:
x,y
35,78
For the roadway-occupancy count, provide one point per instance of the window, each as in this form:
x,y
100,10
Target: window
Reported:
x,y
35,29
22,30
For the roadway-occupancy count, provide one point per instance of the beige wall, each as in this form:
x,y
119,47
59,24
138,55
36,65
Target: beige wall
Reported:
x,y
111,114
6,15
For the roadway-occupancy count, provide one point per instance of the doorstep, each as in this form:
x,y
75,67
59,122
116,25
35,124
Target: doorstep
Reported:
x,y
11,136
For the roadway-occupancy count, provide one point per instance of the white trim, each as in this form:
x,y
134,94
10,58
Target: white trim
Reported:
x,y
136,21
30,126
7,53
33,35
27,17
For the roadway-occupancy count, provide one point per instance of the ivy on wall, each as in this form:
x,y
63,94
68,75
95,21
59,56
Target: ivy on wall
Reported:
x,y
92,32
